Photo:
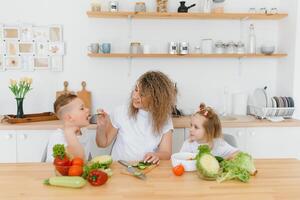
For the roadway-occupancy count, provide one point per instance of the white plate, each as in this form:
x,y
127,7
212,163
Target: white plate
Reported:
x,y
260,98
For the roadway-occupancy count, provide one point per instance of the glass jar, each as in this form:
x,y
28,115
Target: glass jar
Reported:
x,y
95,6
262,11
240,48
218,7
113,6
252,10
219,47
135,48
207,46
140,7
162,6
231,47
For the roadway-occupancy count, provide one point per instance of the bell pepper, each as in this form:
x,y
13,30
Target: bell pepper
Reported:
x,y
97,177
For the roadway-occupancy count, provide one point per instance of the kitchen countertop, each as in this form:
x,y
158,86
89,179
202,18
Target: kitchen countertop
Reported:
x,y
179,122
276,180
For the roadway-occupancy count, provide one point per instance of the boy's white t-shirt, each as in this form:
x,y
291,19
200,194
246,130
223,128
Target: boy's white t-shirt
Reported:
x,y
135,137
58,138
220,147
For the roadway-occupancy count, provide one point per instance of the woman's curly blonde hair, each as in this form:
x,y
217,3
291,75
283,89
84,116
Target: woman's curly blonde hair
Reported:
x,y
162,96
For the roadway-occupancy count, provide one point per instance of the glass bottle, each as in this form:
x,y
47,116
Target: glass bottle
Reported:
x,y
252,40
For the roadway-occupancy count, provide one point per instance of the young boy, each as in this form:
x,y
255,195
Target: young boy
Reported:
x,y
71,110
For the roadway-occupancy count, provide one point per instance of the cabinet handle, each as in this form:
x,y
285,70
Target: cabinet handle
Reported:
x,y
8,136
23,137
239,133
252,133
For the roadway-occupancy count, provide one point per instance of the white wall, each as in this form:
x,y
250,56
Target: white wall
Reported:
x,y
111,80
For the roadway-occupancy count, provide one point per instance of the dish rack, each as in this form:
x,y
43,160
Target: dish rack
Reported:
x,y
264,112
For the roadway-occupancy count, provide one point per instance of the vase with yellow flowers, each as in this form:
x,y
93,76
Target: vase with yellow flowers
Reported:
x,y
20,89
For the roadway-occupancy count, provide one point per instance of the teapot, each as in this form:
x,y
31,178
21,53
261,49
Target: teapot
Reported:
x,y
183,8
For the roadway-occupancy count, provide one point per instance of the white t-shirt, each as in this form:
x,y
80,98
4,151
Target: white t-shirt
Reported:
x,y
135,137
58,137
220,147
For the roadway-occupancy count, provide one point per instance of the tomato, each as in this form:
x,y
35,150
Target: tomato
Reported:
x,y
58,161
75,170
97,177
77,161
178,170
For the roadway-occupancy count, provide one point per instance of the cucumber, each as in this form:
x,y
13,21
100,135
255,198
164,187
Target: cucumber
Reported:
x,y
66,181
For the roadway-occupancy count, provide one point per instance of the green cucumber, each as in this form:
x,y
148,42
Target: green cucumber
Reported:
x,y
66,181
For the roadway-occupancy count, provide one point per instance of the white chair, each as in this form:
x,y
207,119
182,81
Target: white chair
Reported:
x,y
230,139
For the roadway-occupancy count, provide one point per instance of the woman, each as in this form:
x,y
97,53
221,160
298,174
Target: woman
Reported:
x,y
143,129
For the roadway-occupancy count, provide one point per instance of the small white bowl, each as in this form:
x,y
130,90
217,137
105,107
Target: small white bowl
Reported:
x,y
184,158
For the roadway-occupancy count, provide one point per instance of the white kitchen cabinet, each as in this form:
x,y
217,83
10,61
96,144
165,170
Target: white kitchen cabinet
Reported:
x,y
8,146
274,142
31,144
178,139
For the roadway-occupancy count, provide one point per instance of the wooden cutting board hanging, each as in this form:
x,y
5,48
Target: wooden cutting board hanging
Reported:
x,y
85,96
65,91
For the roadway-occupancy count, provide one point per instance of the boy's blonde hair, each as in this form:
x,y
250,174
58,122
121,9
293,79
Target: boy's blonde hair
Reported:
x,y
212,124
62,101
162,96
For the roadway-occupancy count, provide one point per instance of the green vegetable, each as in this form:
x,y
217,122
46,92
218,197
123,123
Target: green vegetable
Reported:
x,y
239,168
142,165
219,158
91,166
206,163
66,181
245,161
104,159
59,151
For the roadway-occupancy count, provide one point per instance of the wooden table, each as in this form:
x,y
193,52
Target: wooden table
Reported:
x,y
276,179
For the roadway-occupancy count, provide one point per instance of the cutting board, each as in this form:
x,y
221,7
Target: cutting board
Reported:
x,y
145,171
85,95
65,91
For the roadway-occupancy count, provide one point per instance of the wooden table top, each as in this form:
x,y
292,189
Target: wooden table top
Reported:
x,y
276,180
178,122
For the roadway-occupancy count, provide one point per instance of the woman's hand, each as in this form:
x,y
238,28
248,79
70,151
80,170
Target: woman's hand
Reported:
x,y
102,119
151,158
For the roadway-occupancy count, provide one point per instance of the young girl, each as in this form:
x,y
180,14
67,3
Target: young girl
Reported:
x,y
143,129
206,129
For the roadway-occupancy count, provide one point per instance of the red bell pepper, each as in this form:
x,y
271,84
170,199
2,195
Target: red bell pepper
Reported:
x,y
97,177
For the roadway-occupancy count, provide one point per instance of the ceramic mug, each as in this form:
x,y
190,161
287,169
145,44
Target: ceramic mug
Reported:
x,y
93,48
105,48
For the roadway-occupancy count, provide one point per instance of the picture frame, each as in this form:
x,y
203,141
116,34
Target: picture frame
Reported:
x,y
56,63
41,49
11,33
41,63
55,33
40,34
26,48
12,62
56,49
27,63
11,48
26,34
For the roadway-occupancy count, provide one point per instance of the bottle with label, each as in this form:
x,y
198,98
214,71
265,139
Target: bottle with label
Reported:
x,y
252,40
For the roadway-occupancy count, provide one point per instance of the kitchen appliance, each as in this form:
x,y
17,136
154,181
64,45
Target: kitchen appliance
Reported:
x,y
133,171
183,8
183,48
85,96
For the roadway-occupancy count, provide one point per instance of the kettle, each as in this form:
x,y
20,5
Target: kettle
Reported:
x,y
183,8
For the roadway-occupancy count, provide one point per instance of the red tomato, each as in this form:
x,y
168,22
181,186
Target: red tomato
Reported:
x,y
61,162
77,161
75,170
178,170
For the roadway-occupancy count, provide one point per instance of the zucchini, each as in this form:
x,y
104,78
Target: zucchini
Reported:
x,y
66,181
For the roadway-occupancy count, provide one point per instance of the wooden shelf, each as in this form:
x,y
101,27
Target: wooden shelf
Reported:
x,y
155,15
165,55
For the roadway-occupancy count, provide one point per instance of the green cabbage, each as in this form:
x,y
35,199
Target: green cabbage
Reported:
x,y
206,163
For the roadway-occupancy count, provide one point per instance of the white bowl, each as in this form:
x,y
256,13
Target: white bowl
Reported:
x,y
185,159
268,50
